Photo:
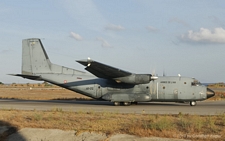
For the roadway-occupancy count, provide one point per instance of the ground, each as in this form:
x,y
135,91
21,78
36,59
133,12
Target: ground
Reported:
x,y
105,124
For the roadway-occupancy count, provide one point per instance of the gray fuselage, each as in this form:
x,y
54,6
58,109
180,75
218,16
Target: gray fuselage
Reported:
x,y
166,88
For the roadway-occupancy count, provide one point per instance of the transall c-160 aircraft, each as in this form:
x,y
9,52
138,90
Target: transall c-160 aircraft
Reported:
x,y
109,83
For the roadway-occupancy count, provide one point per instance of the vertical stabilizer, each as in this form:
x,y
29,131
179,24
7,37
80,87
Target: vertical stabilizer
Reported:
x,y
34,57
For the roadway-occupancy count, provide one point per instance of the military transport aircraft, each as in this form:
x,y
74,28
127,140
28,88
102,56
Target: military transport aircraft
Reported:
x,y
109,83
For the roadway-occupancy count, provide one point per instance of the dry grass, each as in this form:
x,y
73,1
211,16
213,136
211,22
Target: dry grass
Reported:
x,y
39,94
171,126
219,95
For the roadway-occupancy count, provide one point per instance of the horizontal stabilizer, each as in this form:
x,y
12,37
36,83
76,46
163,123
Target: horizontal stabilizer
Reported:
x,y
32,77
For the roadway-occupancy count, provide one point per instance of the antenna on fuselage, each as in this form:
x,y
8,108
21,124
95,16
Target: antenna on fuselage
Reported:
x,y
179,76
164,74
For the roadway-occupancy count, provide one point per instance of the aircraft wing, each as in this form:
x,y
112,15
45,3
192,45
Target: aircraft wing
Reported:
x,y
120,76
103,71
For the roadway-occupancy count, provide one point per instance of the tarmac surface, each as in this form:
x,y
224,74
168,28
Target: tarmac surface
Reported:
x,y
202,107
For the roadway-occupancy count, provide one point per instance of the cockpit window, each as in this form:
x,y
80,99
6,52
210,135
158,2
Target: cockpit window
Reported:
x,y
195,83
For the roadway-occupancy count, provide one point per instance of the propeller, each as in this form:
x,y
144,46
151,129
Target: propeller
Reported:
x,y
153,77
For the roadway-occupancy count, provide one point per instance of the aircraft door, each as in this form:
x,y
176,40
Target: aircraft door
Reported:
x,y
153,89
98,90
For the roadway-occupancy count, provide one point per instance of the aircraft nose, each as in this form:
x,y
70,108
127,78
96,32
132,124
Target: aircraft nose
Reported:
x,y
210,93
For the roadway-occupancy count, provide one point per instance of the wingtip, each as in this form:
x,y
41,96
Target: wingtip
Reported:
x,y
85,62
81,61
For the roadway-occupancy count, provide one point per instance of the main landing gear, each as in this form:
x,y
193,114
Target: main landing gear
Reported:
x,y
193,103
124,103
117,103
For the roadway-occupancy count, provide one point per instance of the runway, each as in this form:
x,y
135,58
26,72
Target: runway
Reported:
x,y
202,108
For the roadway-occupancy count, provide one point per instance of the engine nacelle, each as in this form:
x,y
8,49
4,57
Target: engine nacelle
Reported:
x,y
135,79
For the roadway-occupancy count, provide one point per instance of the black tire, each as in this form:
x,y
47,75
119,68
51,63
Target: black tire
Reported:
x,y
117,103
126,103
193,103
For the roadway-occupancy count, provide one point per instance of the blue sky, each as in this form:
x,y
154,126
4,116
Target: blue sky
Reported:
x,y
140,36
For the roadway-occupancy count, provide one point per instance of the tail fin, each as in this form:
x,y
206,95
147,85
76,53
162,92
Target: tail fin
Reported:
x,y
34,57
37,66
35,61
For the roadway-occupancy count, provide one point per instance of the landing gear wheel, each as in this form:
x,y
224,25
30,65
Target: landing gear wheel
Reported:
x,y
193,103
117,103
126,103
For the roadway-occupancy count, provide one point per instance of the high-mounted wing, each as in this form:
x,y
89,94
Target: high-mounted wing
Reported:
x,y
104,71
